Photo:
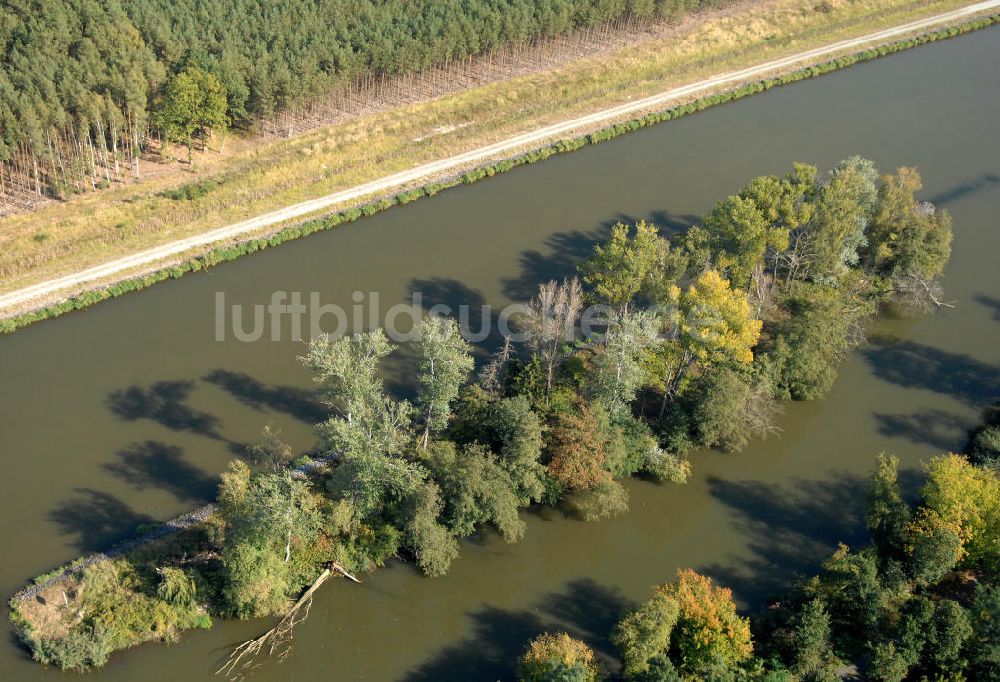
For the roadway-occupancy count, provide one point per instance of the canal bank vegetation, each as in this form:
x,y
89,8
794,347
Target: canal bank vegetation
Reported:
x,y
698,337
67,237
920,601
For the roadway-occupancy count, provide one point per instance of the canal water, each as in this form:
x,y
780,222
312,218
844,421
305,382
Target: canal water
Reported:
x,y
126,413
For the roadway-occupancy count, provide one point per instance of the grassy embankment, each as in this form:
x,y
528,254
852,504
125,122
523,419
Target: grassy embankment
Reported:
x,y
93,229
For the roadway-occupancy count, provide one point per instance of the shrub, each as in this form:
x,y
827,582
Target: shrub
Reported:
x,y
176,587
558,658
257,580
664,466
191,190
78,650
984,447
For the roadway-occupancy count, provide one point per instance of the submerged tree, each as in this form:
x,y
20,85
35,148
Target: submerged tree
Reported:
x,y
803,351
728,412
270,450
433,543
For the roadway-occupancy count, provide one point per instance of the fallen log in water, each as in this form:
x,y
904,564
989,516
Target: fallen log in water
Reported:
x,y
277,640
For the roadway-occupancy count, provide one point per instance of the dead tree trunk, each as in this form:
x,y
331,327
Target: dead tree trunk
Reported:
x,y
278,640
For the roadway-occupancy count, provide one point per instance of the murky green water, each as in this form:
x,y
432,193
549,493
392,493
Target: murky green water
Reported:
x,y
126,413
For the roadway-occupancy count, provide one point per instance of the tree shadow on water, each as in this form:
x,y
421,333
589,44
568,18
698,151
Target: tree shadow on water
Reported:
x,y
445,291
991,302
489,654
673,224
584,609
588,611
939,428
791,529
915,365
152,464
564,251
298,402
984,182
164,403
97,519
400,373
466,305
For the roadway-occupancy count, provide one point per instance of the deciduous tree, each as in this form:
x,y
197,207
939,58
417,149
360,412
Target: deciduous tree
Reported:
x,y
909,242
445,362
812,650
192,106
887,514
620,364
728,412
550,320
433,544
967,498
709,633
644,634
621,267
934,546
576,449
348,371
477,490
843,211
738,234
714,325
